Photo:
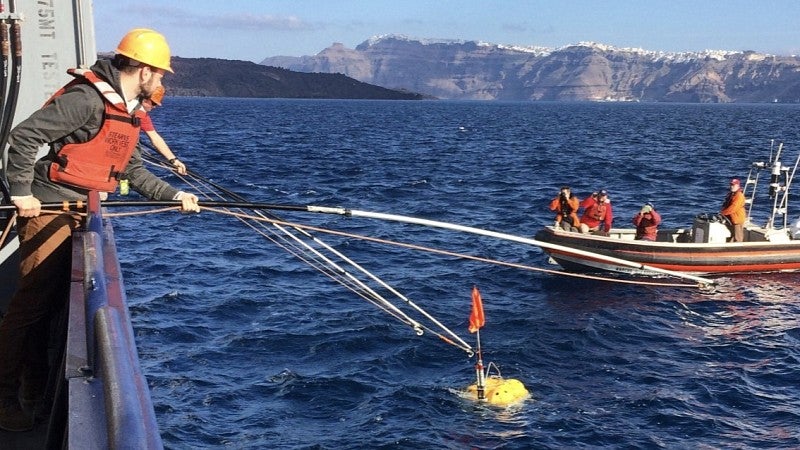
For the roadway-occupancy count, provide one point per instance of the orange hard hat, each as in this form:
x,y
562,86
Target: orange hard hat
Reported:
x,y
146,46
158,95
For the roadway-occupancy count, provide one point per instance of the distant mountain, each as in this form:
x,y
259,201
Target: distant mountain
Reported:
x,y
206,77
582,72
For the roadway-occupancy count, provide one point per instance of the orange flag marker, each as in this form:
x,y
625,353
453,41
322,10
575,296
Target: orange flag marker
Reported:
x,y
476,318
476,321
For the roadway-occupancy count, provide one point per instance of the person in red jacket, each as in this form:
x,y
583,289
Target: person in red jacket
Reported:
x,y
647,221
597,213
566,205
733,210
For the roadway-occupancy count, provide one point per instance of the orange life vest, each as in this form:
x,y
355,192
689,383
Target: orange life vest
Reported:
x,y
98,163
599,211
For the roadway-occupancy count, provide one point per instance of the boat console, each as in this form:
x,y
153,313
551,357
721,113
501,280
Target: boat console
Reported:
x,y
710,229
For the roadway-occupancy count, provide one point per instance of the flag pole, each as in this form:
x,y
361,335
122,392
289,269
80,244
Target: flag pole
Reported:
x,y
476,320
481,378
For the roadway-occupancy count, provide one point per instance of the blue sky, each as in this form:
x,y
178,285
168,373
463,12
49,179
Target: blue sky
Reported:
x,y
254,29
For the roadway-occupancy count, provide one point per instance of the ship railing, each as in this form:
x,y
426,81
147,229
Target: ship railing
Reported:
x,y
106,394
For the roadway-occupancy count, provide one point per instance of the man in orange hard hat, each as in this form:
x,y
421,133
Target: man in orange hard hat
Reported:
x,y
92,129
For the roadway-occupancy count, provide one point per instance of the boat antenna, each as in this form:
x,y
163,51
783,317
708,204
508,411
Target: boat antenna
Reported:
x,y
771,147
785,199
775,172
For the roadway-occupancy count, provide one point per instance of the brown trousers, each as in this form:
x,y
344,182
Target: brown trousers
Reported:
x,y
737,232
42,291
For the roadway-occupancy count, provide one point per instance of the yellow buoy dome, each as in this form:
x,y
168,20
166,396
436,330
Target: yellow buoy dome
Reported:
x,y
500,391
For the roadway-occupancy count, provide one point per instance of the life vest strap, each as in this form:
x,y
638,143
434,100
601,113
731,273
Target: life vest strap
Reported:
x,y
133,120
114,174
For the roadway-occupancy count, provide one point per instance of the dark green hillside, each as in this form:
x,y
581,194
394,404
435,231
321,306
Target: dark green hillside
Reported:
x,y
208,77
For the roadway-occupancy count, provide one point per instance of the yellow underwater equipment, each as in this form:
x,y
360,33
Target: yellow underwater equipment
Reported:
x,y
499,391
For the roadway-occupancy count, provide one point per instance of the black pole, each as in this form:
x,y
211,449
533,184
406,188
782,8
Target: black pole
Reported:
x,y
16,75
210,204
75,206
5,51
11,93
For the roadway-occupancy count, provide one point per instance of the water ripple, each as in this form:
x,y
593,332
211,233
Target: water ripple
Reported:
x,y
246,347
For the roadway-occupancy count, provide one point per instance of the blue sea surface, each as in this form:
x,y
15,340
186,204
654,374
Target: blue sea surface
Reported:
x,y
246,346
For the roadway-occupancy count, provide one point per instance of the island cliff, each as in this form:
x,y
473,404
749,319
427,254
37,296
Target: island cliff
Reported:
x,y
471,70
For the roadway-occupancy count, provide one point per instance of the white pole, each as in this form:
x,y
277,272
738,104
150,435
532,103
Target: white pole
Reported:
x,y
508,237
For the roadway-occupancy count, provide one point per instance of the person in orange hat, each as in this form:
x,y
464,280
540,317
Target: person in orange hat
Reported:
x,y
733,210
150,130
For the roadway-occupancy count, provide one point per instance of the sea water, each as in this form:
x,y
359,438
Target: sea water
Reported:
x,y
246,346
